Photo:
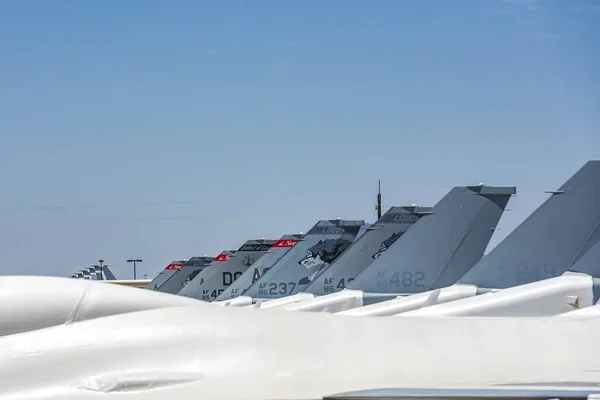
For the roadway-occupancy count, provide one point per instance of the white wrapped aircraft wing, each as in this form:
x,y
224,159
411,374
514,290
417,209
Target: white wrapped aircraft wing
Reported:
x,y
208,352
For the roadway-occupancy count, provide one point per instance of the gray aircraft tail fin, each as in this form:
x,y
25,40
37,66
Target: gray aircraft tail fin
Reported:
x,y
321,246
550,240
363,229
164,275
260,267
184,274
108,275
377,239
228,272
192,284
438,249
589,263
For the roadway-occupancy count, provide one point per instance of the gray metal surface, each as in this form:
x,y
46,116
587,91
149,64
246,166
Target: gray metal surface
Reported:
x,y
550,240
217,280
164,275
323,243
377,239
260,267
438,249
185,274
196,281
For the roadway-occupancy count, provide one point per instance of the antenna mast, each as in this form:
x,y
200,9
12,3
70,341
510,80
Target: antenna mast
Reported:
x,y
378,206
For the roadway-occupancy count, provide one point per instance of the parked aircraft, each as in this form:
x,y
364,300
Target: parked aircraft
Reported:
x,y
225,273
165,274
549,242
322,244
435,252
185,274
259,268
577,288
195,281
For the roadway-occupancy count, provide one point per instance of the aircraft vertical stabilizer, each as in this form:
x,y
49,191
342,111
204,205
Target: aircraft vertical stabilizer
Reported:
x,y
321,246
550,240
217,280
164,275
440,248
108,275
575,289
378,239
522,275
434,252
260,267
589,263
192,285
185,274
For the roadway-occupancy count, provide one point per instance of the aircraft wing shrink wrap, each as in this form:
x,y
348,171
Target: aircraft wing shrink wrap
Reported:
x,y
32,302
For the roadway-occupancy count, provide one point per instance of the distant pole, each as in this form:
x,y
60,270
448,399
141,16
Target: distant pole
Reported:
x,y
101,268
137,260
378,206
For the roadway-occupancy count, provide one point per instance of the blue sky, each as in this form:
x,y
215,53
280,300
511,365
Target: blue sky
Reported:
x,y
169,129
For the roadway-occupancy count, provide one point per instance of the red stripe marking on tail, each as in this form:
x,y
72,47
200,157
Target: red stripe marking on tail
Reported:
x,y
285,243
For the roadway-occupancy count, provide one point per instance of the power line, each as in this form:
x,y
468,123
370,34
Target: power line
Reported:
x,y
302,191
307,191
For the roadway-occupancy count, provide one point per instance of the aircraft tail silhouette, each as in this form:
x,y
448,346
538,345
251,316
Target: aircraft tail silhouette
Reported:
x,y
194,283
164,275
550,240
377,239
589,263
438,249
260,267
184,274
321,245
108,275
217,280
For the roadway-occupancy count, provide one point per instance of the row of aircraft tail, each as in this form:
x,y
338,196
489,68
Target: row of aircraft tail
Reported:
x,y
231,327
417,260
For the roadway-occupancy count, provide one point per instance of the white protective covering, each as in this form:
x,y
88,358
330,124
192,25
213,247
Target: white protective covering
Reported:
x,y
543,298
284,301
351,302
35,302
240,301
207,352
413,302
